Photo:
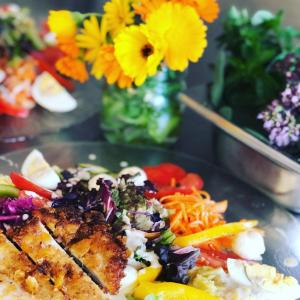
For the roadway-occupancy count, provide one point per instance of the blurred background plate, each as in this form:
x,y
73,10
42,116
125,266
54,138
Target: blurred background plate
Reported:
x,y
41,121
281,228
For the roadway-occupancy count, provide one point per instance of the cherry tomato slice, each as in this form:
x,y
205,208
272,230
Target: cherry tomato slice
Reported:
x,y
24,184
162,174
157,177
39,202
192,180
173,170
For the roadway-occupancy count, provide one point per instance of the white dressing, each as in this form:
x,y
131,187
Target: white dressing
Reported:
x,y
93,181
139,176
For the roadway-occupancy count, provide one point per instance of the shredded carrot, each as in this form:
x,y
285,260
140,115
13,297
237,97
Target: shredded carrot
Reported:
x,y
194,212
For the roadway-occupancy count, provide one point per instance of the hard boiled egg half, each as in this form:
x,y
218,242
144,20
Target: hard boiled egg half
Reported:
x,y
37,169
49,94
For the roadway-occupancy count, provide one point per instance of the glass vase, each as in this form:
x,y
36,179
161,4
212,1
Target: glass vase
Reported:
x,y
149,114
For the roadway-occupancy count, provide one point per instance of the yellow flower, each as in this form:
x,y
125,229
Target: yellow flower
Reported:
x,y
91,37
208,10
183,32
145,7
117,14
62,23
139,52
106,64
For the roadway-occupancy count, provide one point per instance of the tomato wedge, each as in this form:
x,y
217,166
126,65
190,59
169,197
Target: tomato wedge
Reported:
x,y
214,258
163,174
192,180
38,202
24,184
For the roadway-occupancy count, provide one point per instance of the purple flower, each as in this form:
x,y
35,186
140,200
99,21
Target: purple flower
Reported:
x,y
279,119
289,67
291,96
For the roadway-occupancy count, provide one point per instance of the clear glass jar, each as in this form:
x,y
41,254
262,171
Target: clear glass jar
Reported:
x,y
149,114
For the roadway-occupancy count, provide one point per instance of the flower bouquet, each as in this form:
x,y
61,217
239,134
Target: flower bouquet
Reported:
x,y
142,49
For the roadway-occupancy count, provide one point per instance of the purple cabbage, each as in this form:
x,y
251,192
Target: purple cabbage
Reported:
x,y
109,206
176,262
77,195
9,218
80,196
17,206
13,209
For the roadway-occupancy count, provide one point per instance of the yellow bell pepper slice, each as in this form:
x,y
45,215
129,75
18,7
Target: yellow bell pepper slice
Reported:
x,y
148,274
171,291
214,233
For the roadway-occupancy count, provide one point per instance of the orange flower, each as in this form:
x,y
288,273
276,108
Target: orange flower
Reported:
x,y
207,10
145,7
68,46
107,65
73,68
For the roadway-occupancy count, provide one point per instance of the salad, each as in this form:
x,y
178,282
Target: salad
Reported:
x,y
141,233
27,73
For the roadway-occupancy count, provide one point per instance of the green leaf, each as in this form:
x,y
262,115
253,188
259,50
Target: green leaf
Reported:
x,y
218,84
256,134
226,112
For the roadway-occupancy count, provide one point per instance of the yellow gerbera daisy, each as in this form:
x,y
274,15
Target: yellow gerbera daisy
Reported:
x,y
62,23
183,32
117,14
145,7
91,37
139,52
106,64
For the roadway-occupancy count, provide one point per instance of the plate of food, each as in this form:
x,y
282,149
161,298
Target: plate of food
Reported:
x,y
100,221
36,98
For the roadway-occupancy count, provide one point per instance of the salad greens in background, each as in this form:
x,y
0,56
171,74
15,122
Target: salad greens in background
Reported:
x,y
258,60
18,32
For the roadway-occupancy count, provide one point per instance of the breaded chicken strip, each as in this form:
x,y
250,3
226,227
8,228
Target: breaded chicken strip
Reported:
x,y
20,278
35,240
88,238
